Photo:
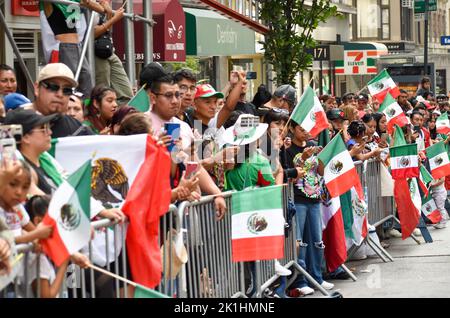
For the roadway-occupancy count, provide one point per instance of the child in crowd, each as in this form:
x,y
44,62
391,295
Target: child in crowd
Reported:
x,y
49,281
12,211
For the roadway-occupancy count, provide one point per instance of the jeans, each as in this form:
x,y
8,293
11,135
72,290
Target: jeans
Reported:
x,y
309,233
111,73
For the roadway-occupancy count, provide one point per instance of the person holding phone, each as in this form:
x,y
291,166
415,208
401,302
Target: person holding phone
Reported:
x,y
418,135
357,144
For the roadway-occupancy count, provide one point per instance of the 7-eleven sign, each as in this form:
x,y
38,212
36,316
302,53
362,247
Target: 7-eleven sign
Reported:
x,y
357,62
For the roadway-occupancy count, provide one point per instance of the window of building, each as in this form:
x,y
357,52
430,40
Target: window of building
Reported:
x,y
368,19
385,25
406,24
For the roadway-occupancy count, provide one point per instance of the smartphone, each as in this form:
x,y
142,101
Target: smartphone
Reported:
x,y
191,168
173,130
417,128
11,131
8,149
251,75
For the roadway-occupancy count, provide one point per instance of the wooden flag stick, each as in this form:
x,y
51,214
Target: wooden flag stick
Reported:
x,y
113,275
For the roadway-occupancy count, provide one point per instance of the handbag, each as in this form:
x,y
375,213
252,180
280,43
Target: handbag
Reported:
x,y
103,46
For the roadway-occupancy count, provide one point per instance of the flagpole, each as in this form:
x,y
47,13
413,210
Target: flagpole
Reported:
x,y
289,120
113,275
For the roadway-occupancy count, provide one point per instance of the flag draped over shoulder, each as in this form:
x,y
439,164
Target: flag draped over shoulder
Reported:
x,y
309,113
381,85
340,174
69,215
257,224
333,234
438,158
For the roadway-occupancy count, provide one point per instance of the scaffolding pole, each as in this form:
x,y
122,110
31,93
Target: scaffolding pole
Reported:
x,y
129,45
148,33
87,38
16,51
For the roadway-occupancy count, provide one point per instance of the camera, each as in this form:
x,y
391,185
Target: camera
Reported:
x,y
11,131
251,75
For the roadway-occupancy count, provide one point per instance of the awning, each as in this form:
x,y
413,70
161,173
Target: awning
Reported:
x,y
210,34
360,58
169,34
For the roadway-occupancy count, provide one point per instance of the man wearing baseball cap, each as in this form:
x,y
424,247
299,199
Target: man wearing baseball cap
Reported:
x,y
53,89
285,97
205,104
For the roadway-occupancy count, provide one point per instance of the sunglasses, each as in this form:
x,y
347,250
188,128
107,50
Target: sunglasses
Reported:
x,y
52,87
169,96
280,111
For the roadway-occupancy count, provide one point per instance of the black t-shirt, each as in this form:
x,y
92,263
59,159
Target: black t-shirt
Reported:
x,y
287,157
64,126
246,108
45,183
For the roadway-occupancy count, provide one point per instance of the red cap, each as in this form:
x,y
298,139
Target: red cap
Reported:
x,y
206,90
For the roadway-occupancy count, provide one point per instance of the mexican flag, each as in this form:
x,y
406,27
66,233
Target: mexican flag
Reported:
x,y
408,201
430,210
340,174
257,224
144,292
424,180
333,234
360,211
309,113
399,136
404,161
140,101
443,124
69,215
439,162
132,173
381,85
394,113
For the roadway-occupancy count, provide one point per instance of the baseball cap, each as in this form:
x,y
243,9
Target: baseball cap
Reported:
x,y
363,97
15,100
54,70
150,73
441,98
287,92
28,118
206,90
335,113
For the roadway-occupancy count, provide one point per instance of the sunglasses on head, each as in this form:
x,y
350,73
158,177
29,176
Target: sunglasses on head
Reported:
x,y
67,91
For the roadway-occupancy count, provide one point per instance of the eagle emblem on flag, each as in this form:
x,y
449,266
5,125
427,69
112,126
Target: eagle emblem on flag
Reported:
x,y
256,223
336,166
69,217
404,161
438,161
109,182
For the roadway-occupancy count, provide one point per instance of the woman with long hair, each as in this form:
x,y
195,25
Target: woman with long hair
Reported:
x,y
101,108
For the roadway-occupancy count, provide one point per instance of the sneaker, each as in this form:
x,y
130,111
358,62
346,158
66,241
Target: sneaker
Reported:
x,y
417,232
280,270
440,225
394,233
358,257
327,285
300,292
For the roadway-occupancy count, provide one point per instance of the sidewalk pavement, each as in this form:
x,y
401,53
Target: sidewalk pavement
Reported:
x,y
418,271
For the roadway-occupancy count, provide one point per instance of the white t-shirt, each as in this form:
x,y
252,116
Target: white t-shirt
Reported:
x,y
15,220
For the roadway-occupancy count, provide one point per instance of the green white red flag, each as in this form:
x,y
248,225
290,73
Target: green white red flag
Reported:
x,y
381,85
430,210
404,161
340,173
257,224
309,113
69,215
443,124
424,180
393,112
333,234
438,159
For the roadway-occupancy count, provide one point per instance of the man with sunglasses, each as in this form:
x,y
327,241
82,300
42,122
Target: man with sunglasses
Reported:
x,y
53,89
